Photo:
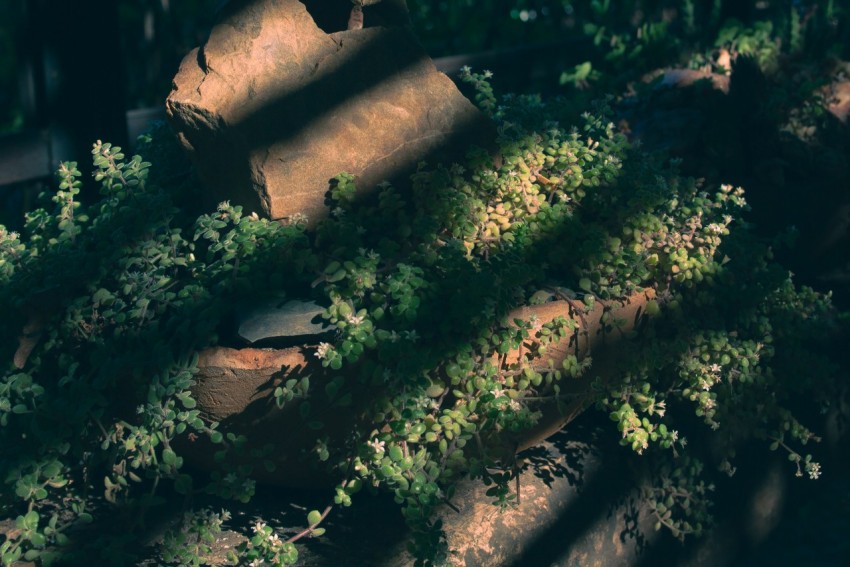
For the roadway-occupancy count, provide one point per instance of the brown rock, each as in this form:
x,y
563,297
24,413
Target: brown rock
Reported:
x,y
687,77
838,99
272,107
235,387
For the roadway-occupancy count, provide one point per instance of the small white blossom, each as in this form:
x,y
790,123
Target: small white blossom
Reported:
x,y
515,405
338,212
377,445
715,368
274,540
255,563
814,470
355,319
259,527
322,350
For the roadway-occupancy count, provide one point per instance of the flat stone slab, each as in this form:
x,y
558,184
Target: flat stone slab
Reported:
x,y
272,107
281,319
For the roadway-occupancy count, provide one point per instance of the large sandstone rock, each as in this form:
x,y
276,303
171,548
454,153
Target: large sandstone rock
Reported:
x,y
271,107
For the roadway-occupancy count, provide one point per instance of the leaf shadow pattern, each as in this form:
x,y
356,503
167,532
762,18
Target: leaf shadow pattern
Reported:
x,y
572,448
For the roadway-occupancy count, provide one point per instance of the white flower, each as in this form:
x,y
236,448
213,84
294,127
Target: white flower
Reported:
x,y
338,212
715,368
274,540
514,405
255,563
355,319
322,350
259,527
377,445
814,470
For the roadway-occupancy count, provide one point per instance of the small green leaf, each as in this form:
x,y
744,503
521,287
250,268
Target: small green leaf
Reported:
x,y
396,454
314,517
169,457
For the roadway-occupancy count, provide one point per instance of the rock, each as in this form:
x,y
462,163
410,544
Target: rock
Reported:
x,y
680,78
236,388
272,107
293,320
837,95
563,488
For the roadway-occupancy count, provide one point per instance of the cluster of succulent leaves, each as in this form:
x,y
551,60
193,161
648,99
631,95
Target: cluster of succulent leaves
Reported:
x,y
418,282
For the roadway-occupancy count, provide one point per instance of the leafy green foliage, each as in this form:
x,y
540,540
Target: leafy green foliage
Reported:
x,y
118,297
120,300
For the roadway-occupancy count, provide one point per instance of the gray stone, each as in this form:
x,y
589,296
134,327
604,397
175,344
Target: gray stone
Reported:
x,y
280,319
272,107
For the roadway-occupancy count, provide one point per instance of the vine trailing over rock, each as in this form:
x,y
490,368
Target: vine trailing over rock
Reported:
x,y
117,297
